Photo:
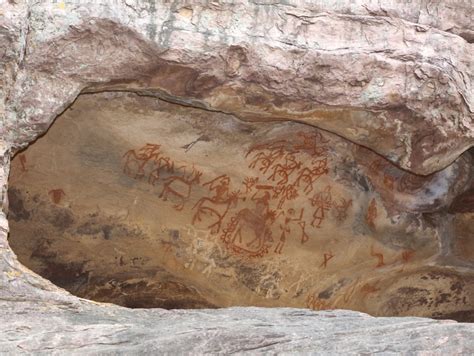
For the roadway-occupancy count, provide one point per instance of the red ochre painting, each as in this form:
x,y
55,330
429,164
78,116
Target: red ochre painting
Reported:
x,y
283,201
184,207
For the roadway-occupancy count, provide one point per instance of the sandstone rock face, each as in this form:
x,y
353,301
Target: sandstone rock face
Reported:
x,y
402,89
132,200
236,154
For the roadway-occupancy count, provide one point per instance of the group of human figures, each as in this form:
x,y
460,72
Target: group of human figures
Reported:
x,y
285,170
259,215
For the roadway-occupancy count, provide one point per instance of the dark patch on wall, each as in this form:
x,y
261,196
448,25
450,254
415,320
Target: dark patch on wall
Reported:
x,y
463,203
17,210
462,316
43,248
107,228
174,234
250,276
406,298
89,228
60,218
66,275
166,294
151,25
328,292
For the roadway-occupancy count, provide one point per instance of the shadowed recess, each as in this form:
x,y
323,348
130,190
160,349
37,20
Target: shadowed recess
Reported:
x,y
132,200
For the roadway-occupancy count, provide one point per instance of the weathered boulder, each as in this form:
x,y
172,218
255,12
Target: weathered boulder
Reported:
x,y
110,330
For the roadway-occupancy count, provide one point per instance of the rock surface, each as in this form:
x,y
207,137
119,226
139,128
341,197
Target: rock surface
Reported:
x,y
106,330
359,75
135,201
387,93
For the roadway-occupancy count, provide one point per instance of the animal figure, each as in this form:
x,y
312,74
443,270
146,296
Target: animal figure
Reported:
x,y
266,159
273,146
314,144
250,223
217,206
309,176
285,170
135,161
160,164
180,187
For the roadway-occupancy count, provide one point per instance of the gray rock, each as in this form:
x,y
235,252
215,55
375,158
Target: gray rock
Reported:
x,y
43,328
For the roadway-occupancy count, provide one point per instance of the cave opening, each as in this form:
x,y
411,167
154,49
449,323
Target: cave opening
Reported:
x,y
136,201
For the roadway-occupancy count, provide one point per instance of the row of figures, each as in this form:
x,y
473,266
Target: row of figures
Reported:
x,y
149,162
259,215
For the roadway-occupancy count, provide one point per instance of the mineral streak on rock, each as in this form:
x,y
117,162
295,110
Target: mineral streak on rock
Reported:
x,y
249,153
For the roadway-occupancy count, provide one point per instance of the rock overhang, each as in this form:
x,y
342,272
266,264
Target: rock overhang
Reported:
x,y
410,76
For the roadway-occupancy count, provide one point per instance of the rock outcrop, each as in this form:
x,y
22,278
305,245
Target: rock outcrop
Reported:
x,y
135,201
401,88
110,330
212,155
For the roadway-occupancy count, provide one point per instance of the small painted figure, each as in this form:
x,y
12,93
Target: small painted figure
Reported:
x,y
56,195
323,202
180,187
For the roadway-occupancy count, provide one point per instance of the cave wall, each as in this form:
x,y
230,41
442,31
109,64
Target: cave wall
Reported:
x,y
375,75
132,200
